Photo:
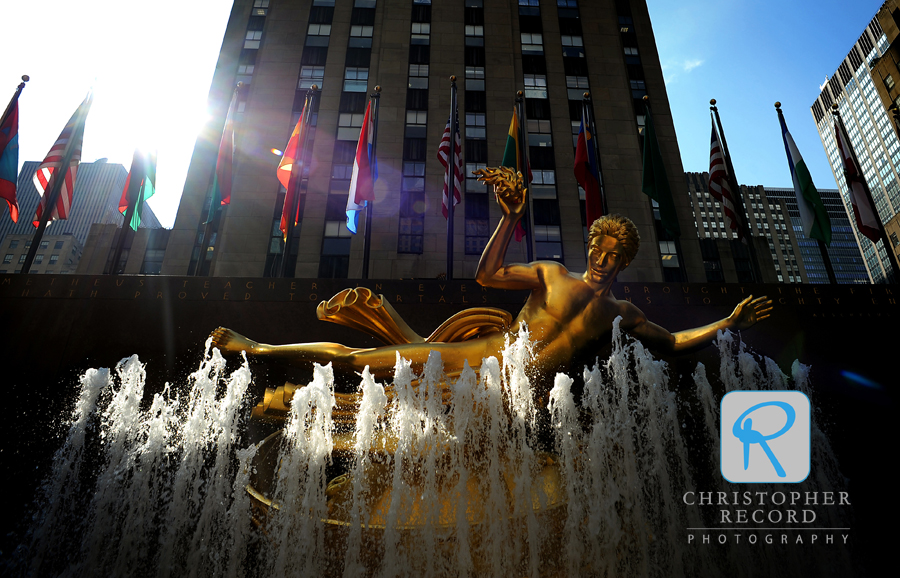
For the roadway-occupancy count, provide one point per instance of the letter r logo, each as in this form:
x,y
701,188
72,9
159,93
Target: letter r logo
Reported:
x,y
765,436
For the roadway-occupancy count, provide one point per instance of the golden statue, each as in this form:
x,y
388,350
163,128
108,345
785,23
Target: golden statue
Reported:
x,y
568,314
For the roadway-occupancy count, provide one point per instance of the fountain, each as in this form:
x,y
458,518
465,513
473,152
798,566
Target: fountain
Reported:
x,y
467,453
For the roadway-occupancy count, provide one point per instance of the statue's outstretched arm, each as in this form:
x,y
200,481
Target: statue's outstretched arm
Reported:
x,y
747,312
511,196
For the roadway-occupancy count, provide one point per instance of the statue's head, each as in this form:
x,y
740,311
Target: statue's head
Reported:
x,y
507,182
620,228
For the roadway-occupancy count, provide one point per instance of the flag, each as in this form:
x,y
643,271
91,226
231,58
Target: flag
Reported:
x,y
365,172
9,157
443,156
816,224
719,187
866,217
143,166
515,159
221,188
587,171
654,181
69,139
289,173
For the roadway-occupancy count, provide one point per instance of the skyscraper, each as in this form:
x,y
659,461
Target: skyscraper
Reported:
x,y
853,89
98,188
553,51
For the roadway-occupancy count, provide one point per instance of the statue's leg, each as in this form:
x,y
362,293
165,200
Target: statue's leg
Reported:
x,y
381,360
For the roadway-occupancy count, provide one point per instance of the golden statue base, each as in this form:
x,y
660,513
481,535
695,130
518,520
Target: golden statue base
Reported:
x,y
420,511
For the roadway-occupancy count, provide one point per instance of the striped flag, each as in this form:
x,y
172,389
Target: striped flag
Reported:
x,y
69,139
143,166
443,156
719,187
866,217
813,215
365,172
289,173
9,156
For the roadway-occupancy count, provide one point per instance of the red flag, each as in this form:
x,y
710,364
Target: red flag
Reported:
x,y
69,139
719,187
9,157
226,152
443,156
289,173
587,172
863,211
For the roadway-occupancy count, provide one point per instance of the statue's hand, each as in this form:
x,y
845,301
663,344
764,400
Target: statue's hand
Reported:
x,y
509,189
749,311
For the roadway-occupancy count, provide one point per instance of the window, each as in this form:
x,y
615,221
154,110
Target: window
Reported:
x,y
415,123
419,33
310,75
322,30
889,82
356,79
260,7
418,76
472,30
14,244
535,86
474,78
58,245
7,258
22,258
251,40
38,259
53,259
363,3
245,69
532,43
631,51
349,125
477,224
44,244
475,126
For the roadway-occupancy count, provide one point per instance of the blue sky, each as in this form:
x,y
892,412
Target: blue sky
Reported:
x,y
747,54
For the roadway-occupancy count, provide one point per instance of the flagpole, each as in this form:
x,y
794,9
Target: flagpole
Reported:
x,y
134,191
376,98
451,177
826,259
15,97
525,167
738,195
54,187
588,108
884,240
682,267
295,194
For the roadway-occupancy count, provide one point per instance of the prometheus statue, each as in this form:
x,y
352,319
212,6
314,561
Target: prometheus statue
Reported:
x,y
568,314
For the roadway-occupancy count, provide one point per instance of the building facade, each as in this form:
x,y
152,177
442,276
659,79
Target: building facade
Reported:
x,y
56,254
98,188
554,51
786,255
855,91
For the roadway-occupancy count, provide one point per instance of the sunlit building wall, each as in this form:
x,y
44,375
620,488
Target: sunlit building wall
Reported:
x,y
853,89
552,50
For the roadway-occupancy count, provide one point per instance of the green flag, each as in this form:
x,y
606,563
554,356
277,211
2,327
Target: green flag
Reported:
x,y
654,182
143,167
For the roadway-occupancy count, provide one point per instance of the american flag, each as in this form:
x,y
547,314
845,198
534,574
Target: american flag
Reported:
x,y
443,154
69,138
719,187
